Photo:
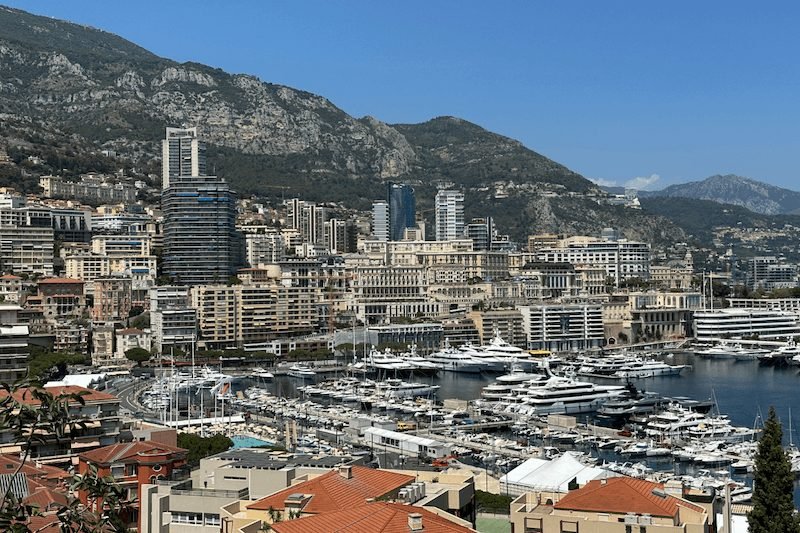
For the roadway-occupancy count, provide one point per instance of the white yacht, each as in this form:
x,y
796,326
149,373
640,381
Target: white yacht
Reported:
x,y
387,362
301,371
395,388
504,385
258,372
422,366
647,368
506,354
558,395
453,360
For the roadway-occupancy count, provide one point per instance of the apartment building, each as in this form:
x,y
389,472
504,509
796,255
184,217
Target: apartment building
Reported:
x,y
133,465
621,259
507,323
97,423
14,339
112,299
614,505
563,327
173,321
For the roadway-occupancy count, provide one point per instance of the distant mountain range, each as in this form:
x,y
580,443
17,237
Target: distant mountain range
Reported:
x,y
754,195
67,90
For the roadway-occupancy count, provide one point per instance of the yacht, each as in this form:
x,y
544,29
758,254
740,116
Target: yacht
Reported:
x,y
647,368
422,366
505,384
558,395
506,354
386,362
786,354
261,373
453,360
301,371
395,388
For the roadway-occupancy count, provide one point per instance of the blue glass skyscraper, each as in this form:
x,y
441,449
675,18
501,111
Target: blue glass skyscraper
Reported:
x,y
402,209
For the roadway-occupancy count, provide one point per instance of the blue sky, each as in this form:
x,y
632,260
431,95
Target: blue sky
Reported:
x,y
620,91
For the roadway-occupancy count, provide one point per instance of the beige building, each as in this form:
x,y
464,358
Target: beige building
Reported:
x,y
643,316
614,505
112,299
277,305
504,322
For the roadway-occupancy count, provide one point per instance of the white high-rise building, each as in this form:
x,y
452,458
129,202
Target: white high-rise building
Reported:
x,y
183,154
380,220
449,215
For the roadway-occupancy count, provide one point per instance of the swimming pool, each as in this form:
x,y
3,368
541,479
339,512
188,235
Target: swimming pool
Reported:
x,y
244,441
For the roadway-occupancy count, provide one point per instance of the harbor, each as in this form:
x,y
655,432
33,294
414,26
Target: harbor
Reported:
x,y
696,418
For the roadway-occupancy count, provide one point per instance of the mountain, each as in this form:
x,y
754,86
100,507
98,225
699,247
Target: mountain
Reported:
x,y
68,91
756,196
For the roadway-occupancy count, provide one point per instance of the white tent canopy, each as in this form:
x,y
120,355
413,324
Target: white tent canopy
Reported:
x,y
556,475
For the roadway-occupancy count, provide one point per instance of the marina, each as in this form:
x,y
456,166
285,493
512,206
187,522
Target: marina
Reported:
x,y
698,421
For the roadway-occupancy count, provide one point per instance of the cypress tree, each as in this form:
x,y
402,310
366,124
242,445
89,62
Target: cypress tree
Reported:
x,y
773,491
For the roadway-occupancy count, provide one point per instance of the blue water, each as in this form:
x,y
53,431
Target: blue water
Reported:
x,y
242,441
743,389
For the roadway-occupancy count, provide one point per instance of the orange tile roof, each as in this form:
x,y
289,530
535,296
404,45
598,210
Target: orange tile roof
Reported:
x,y
623,495
41,472
45,498
376,517
334,492
9,276
23,395
48,281
127,450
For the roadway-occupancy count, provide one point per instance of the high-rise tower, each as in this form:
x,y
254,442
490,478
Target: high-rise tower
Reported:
x,y
449,215
402,209
183,154
201,244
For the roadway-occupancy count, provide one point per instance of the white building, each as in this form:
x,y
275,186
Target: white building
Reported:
x,y
730,323
264,248
563,327
449,211
380,220
405,444
621,259
183,154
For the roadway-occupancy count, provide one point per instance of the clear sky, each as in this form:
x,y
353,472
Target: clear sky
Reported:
x,y
616,90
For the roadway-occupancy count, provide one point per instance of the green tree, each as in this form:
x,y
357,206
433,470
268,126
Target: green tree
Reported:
x,y
200,447
773,485
138,355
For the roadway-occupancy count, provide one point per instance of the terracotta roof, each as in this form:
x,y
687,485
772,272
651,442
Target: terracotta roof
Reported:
x,y
334,492
9,276
126,450
41,472
23,395
623,495
376,517
48,281
44,498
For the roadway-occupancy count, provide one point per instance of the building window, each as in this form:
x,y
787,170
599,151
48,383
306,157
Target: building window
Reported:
x,y
212,519
569,527
194,519
533,525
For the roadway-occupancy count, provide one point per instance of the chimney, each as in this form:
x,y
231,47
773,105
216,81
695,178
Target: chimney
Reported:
x,y
415,522
346,471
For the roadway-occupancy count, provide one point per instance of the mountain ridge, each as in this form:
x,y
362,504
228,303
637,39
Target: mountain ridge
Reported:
x,y
93,90
757,196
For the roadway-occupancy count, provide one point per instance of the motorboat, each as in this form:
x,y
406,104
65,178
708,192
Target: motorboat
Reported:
x,y
301,371
261,373
454,360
